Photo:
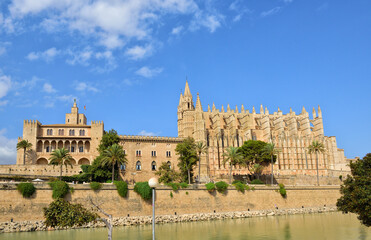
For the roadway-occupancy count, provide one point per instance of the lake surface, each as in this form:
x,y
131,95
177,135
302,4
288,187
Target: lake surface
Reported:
x,y
327,226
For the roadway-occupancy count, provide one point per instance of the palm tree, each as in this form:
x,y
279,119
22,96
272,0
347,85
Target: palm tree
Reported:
x,y
316,147
200,148
61,157
25,144
233,157
114,155
271,150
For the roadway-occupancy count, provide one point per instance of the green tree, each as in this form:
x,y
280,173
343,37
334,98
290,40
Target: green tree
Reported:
x,y
257,169
272,151
200,149
253,153
114,155
99,173
316,147
166,174
61,213
25,145
233,157
60,157
109,138
187,158
356,191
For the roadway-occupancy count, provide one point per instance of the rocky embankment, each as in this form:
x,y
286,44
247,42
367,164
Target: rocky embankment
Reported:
x,y
29,226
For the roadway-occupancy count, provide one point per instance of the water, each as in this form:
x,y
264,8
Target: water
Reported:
x,y
327,226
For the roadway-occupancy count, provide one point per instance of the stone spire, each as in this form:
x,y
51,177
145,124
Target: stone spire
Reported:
x,y
314,113
208,108
266,111
214,108
261,109
222,110
242,109
187,92
180,99
228,108
74,103
253,110
319,112
303,111
198,103
236,109
290,110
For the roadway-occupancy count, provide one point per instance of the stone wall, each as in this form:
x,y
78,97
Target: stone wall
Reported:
x,y
184,201
37,171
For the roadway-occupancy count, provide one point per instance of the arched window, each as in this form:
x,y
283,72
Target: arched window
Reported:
x,y
123,167
49,132
60,132
72,132
82,132
153,166
169,164
138,166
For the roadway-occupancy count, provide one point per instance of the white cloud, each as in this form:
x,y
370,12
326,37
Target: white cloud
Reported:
x,y
66,98
48,88
3,103
270,12
139,52
5,85
8,152
80,57
288,1
209,21
148,72
145,133
2,50
238,7
82,86
48,55
177,30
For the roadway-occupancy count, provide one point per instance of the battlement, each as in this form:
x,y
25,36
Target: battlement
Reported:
x,y
97,123
150,138
31,122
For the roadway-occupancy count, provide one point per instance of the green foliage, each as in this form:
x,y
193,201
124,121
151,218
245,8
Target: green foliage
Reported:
x,y
100,173
109,138
282,190
234,157
341,177
184,184
174,186
356,191
210,186
114,156
187,193
252,188
26,189
143,189
61,213
254,152
60,189
167,174
171,194
95,186
257,181
240,186
80,178
187,158
221,186
122,188
85,168
60,157
24,144
236,181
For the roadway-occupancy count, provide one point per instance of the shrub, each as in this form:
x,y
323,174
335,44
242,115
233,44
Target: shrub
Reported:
x,y
210,187
253,188
109,181
60,189
341,177
187,193
240,186
171,194
122,188
184,184
282,190
80,178
61,213
26,189
257,181
95,186
143,189
236,181
174,186
221,186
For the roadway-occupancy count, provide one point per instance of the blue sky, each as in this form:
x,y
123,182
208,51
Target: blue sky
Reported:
x,y
127,61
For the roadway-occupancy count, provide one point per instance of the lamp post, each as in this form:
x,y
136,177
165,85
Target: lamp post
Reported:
x,y
153,182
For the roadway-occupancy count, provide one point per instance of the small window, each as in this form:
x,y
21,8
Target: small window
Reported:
x,y
138,153
47,149
81,149
153,153
49,132
138,166
123,167
61,132
72,132
72,149
82,132
153,166
168,154
80,120
68,120
153,144
169,164
254,137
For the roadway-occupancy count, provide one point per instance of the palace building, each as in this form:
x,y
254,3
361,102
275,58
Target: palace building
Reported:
x,y
291,133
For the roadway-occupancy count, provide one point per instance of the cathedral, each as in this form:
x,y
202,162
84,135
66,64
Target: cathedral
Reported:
x,y
291,133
